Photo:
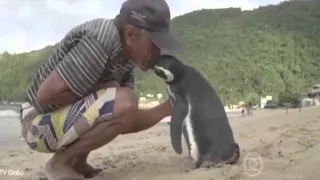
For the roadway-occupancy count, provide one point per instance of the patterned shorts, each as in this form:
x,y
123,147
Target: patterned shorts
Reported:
x,y
54,131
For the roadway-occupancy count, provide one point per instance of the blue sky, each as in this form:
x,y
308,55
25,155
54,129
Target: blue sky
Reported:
x,y
33,24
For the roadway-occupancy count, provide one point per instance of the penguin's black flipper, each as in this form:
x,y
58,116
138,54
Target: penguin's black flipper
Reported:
x,y
180,111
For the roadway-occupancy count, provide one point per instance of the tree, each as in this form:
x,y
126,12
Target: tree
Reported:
x,y
266,51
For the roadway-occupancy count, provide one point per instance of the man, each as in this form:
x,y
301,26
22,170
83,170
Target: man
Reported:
x,y
83,95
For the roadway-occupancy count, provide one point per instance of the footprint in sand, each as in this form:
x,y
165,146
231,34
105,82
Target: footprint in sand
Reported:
x,y
273,128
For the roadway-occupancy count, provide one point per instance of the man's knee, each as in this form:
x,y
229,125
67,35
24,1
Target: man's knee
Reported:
x,y
126,104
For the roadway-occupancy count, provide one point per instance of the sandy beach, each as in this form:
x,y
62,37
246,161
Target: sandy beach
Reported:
x,y
288,144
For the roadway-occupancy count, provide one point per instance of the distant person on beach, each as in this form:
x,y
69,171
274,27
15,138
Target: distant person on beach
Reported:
x,y
83,96
249,108
242,112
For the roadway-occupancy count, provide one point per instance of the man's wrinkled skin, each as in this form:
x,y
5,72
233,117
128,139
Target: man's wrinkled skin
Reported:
x,y
127,118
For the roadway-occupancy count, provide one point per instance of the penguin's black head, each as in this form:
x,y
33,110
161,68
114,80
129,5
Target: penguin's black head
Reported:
x,y
169,68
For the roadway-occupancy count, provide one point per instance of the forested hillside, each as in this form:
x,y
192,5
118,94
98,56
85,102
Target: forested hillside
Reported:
x,y
242,53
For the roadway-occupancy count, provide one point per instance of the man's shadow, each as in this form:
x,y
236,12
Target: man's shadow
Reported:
x,y
130,169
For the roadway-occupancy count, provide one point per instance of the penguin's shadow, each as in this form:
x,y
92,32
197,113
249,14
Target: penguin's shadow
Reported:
x,y
124,172
128,165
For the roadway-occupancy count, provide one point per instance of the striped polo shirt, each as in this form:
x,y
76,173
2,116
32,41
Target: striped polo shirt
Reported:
x,y
90,53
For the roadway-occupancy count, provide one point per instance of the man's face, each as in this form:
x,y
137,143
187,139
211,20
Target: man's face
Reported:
x,y
140,47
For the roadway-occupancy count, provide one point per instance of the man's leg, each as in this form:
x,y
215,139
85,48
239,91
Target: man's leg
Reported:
x,y
126,118
99,135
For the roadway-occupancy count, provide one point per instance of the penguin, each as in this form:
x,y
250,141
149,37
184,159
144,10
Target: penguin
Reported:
x,y
198,115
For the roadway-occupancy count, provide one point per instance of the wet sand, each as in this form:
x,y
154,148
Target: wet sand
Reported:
x,y
287,143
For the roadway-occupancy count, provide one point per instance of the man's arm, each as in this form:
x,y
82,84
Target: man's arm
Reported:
x,y
54,90
75,75
146,118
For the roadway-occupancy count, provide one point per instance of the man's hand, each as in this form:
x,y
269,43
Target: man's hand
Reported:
x,y
167,106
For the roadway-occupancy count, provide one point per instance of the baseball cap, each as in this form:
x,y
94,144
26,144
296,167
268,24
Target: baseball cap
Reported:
x,y
153,16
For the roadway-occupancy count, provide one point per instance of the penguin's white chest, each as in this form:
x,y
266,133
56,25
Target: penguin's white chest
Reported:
x,y
194,153
170,93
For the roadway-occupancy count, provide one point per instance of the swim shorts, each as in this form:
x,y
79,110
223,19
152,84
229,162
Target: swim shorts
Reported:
x,y
53,131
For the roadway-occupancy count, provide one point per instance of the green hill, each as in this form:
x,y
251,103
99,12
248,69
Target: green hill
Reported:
x,y
242,53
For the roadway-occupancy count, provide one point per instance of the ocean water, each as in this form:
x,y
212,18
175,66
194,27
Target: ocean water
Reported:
x,y
10,128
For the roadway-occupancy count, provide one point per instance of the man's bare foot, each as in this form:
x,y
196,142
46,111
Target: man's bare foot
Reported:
x,y
82,167
55,169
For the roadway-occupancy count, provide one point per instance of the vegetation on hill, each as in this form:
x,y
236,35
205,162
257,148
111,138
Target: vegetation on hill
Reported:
x,y
243,54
